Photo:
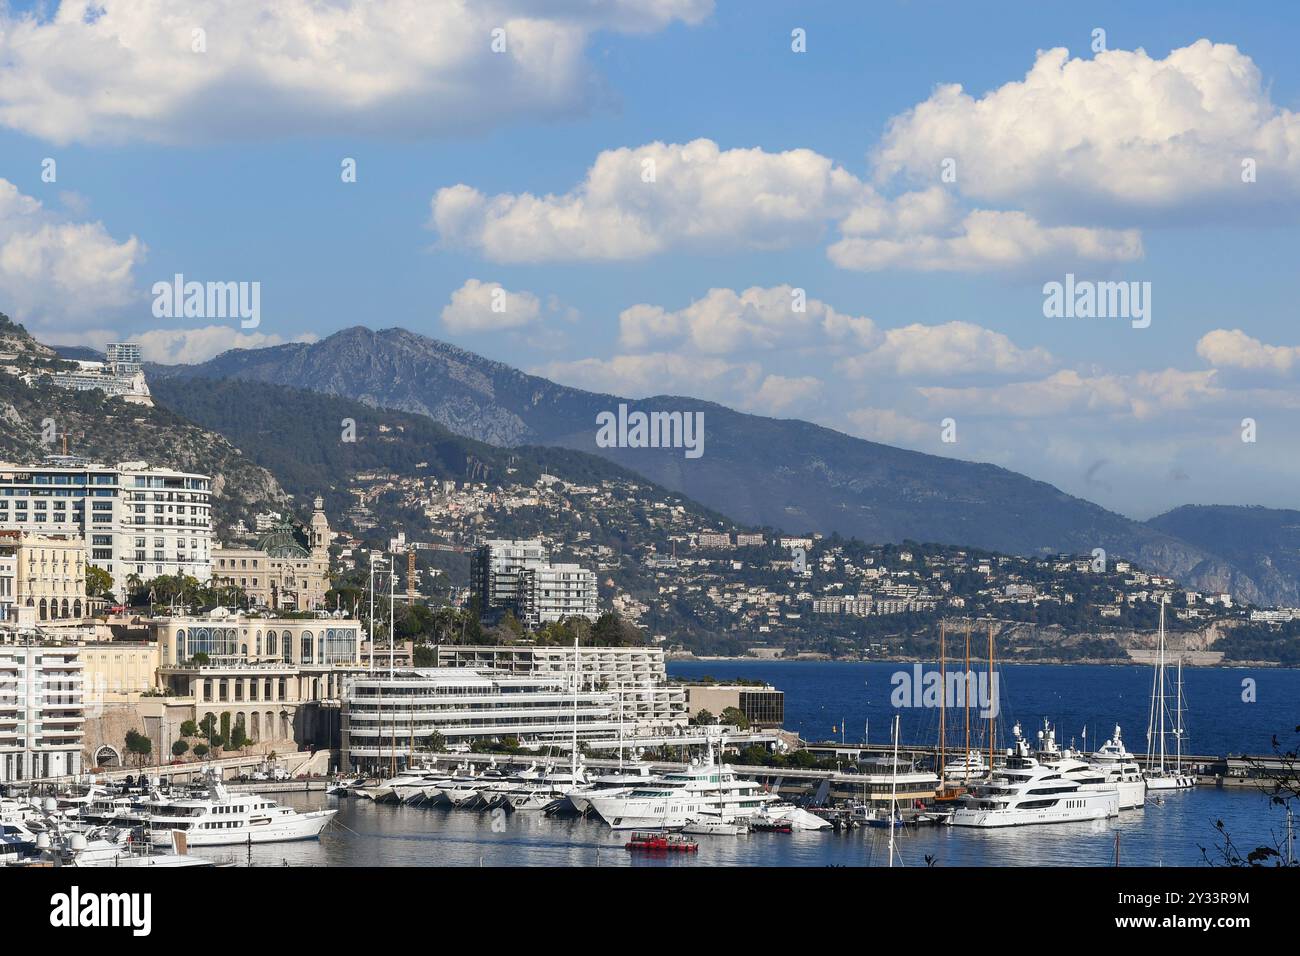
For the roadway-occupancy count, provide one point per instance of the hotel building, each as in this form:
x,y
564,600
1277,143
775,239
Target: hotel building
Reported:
x,y
130,518
261,671
41,711
280,572
387,717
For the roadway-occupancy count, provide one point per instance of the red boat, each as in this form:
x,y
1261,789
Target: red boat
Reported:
x,y
661,843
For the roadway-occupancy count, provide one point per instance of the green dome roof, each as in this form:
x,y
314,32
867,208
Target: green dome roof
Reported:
x,y
283,543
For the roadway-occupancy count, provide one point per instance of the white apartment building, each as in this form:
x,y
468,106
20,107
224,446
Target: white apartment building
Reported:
x,y
556,591
387,717
41,708
635,675
131,518
519,576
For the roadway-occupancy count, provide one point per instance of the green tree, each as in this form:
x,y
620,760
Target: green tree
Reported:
x,y
189,729
435,742
200,750
704,719
238,738
99,583
179,748
138,745
735,717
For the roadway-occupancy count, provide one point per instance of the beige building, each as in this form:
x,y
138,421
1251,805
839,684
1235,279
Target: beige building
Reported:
x,y
50,575
116,671
260,671
280,573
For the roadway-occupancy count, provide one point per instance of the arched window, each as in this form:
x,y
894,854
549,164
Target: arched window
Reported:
x,y
180,646
65,608
44,610
287,641
306,648
76,608
272,645
258,644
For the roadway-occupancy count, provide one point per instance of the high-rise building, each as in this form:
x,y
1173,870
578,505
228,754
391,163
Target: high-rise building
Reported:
x,y
518,576
41,712
556,591
497,572
131,518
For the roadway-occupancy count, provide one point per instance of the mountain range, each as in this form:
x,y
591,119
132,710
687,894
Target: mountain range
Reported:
x,y
783,474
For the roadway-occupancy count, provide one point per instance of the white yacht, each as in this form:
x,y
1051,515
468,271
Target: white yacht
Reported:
x,y
1026,792
1120,768
1126,780
578,800
706,789
1159,773
969,766
222,818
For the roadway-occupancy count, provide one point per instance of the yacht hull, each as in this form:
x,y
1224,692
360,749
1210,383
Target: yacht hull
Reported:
x,y
1095,809
304,826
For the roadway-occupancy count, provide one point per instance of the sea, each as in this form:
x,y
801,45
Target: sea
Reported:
x,y
1227,711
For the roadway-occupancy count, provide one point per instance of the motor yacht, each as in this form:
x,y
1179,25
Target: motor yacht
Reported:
x,y
222,818
1026,792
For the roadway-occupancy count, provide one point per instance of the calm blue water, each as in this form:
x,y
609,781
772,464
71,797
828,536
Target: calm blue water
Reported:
x,y
820,695
368,834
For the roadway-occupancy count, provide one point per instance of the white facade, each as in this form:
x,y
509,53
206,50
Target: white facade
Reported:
x,y
499,567
41,709
133,519
635,675
556,591
386,717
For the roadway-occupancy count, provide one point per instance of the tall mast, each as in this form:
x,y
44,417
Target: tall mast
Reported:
x,y
991,718
893,793
573,757
965,699
1161,691
392,619
943,698
372,612
1178,716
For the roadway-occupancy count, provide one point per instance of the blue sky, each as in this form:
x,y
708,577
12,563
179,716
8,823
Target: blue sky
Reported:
x,y
224,164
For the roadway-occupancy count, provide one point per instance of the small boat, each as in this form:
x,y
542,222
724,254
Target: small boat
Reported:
x,y
704,827
770,825
661,843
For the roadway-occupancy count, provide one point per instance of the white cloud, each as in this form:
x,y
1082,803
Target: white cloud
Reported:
x,y
1236,350
125,70
890,426
659,373
702,197
780,393
1121,130
953,348
725,321
53,270
488,306
1070,392
981,241
188,346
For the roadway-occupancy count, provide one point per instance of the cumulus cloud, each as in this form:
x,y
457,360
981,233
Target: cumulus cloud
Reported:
x,y
704,198
889,425
726,321
953,348
1236,350
188,346
1070,392
779,393
660,373
1123,130
700,197
487,307
122,70
52,270
986,240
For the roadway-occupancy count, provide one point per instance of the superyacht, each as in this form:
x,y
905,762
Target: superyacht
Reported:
x,y
1026,792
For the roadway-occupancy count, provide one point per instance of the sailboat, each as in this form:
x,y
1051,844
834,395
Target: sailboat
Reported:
x,y
1161,776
